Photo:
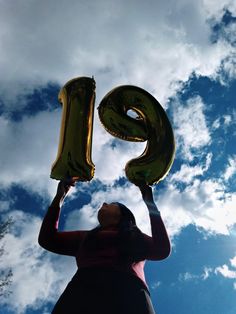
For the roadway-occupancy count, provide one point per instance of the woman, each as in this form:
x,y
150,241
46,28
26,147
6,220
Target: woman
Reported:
x,y
110,258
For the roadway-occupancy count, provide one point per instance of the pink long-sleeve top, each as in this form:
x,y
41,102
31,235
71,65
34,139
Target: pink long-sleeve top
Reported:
x,y
105,253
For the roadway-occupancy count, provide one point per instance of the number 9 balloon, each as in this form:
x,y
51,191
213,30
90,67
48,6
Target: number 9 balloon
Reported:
x,y
74,152
152,125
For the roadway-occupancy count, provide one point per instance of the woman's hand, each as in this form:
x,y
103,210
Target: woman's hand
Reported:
x,y
146,192
147,196
64,187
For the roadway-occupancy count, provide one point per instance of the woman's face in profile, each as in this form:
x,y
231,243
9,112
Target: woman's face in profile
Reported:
x,y
109,214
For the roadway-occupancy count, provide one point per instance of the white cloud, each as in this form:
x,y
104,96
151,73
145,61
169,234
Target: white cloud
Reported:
x,y
4,206
216,124
233,262
227,119
156,47
186,174
226,272
228,65
231,168
224,122
206,273
187,276
191,128
28,148
203,203
216,9
155,285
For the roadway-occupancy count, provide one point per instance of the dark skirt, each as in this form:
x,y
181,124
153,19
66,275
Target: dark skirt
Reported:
x,y
104,291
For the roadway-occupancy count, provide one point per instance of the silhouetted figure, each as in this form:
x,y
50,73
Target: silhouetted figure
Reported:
x,y
110,277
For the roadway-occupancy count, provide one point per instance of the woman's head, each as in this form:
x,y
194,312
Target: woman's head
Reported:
x,y
127,218
109,215
130,239
115,214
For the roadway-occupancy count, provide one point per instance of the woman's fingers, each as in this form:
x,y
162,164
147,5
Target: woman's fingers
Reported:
x,y
146,192
64,186
68,182
144,188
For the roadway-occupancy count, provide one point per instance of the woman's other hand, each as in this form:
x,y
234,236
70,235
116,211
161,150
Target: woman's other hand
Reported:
x,y
146,192
147,196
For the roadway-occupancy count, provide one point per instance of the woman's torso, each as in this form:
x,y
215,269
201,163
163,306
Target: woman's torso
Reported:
x,y
103,251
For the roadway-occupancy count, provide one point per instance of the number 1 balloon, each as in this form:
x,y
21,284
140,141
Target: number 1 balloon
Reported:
x,y
74,152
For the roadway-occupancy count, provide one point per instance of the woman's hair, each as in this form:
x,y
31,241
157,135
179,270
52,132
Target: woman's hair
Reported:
x,y
131,242
127,218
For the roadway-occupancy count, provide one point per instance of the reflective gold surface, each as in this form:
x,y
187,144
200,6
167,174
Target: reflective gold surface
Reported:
x,y
74,151
152,125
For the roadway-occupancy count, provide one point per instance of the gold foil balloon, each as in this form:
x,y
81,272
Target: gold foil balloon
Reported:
x,y
74,152
152,124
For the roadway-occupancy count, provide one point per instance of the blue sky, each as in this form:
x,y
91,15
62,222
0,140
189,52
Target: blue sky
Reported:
x,y
183,53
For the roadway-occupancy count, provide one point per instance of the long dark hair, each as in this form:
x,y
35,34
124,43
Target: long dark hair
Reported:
x,y
130,239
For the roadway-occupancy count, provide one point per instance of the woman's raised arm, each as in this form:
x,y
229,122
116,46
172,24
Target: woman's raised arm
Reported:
x,y
50,238
159,244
